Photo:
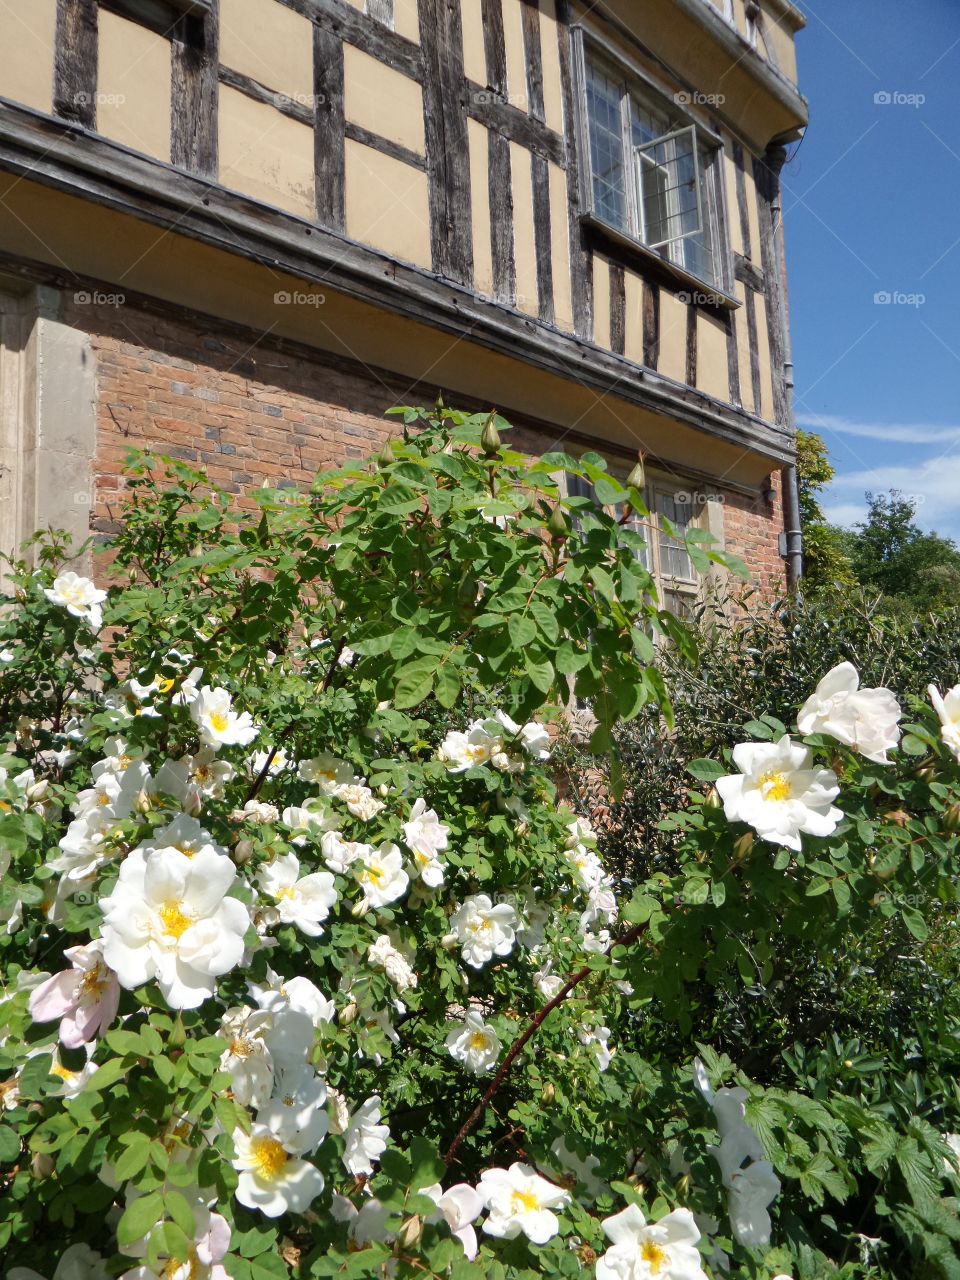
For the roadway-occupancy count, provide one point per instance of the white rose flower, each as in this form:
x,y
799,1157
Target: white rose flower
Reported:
x,y
474,1043
247,1056
361,801
297,1009
462,751
519,1200
947,708
380,874
366,1138
868,720
780,794
641,1250
183,835
340,854
459,1206
280,762
219,724
296,1113
327,771
595,1039
272,1179
79,596
382,954
586,866
304,902
308,821
952,1140
169,918
484,930
426,836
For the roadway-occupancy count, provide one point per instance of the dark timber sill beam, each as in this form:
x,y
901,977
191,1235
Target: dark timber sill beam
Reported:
x,y
72,160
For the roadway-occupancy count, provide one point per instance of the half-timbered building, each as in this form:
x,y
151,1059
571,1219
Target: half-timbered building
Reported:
x,y
236,231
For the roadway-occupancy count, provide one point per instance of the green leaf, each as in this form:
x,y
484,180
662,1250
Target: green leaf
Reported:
x,y
447,687
706,770
570,660
140,1216
522,629
415,682
540,671
9,1145
35,1079
915,923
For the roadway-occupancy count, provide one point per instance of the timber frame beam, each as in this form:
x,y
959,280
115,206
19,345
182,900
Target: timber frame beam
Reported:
x,y
70,159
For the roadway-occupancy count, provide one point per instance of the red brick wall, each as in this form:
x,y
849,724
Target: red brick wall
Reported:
x,y
248,410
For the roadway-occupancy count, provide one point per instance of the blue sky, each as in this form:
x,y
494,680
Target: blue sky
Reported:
x,y
872,207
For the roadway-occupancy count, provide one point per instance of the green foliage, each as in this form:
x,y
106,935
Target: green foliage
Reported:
x,y
285,667
825,561
891,554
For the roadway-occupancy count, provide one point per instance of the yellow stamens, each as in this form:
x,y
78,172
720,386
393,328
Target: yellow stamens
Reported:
x,y
269,1158
776,786
164,686
524,1202
478,1041
94,982
63,1072
175,922
283,894
218,721
653,1256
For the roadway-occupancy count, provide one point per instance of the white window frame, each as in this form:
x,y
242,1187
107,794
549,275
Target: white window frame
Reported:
x,y
635,87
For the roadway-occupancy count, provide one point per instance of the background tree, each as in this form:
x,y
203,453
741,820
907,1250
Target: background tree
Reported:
x,y
892,554
825,562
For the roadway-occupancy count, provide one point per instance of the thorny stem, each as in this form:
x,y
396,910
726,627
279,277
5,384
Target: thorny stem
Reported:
x,y
259,779
533,1026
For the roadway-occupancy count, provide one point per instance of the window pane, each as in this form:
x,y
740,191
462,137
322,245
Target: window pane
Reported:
x,y
606,146
674,561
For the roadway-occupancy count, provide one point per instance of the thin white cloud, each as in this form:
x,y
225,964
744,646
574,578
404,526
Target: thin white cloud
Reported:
x,y
884,432
932,484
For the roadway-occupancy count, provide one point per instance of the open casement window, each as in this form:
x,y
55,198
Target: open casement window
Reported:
x,y
672,512
651,174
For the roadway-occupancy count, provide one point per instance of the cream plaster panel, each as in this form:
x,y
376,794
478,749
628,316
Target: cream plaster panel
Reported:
x,y
477,138
673,337
406,21
26,64
387,204
560,249
524,243
601,302
765,410
753,215
633,317
269,42
781,42
516,54
133,86
382,100
712,373
551,33
743,353
474,55
733,208
265,154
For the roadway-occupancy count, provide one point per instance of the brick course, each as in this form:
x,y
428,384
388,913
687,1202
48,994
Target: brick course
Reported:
x,y
248,410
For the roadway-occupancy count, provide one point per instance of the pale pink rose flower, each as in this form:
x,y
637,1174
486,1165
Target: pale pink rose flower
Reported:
x,y
84,998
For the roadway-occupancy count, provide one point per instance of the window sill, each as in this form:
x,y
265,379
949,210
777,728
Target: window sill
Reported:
x,y
701,292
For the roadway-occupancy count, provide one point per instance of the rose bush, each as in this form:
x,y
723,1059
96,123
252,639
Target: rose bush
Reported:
x,y
309,971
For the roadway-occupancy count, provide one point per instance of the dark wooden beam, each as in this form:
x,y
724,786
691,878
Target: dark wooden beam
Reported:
x,y
748,274
530,18
618,309
581,257
494,46
75,62
741,184
767,174
362,31
500,182
251,88
651,324
329,127
517,125
381,11
445,130
54,153
690,374
195,52
750,311
731,321
542,239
